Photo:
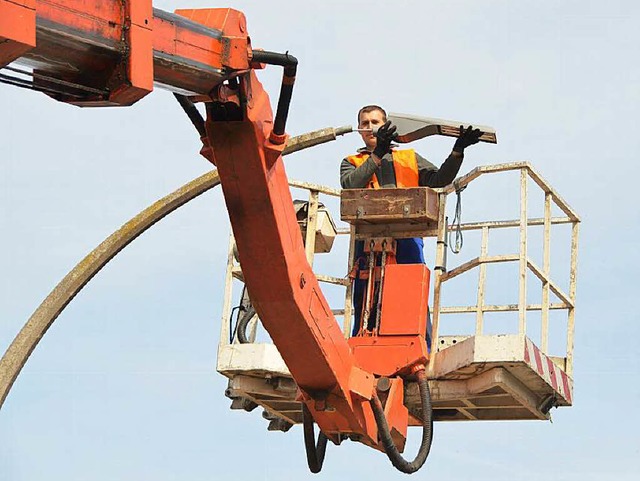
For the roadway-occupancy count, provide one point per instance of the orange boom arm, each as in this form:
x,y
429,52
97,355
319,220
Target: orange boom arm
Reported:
x,y
112,53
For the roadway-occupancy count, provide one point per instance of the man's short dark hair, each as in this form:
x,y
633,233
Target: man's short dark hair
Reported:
x,y
370,108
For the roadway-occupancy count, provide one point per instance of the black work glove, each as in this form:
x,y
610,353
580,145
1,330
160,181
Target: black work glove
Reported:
x,y
385,135
467,137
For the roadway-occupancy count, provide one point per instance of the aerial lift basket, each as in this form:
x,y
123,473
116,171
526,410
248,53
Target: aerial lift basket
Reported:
x,y
473,375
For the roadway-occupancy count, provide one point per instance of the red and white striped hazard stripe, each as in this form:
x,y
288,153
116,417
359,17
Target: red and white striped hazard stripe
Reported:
x,y
549,371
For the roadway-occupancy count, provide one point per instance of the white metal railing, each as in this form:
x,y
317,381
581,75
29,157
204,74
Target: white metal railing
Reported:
x,y
234,271
525,263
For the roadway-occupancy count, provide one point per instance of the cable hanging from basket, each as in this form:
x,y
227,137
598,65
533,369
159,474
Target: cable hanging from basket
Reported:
x,y
457,221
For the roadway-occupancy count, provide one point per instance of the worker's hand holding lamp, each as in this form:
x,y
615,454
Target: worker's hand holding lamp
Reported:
x,y
468,136
384,136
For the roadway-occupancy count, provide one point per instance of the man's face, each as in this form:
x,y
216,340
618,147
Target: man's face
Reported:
x,y
369,120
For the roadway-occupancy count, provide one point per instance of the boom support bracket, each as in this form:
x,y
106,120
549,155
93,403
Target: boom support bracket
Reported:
x,y
132,77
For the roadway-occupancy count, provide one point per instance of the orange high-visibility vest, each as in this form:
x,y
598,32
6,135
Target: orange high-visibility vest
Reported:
x,y
405,166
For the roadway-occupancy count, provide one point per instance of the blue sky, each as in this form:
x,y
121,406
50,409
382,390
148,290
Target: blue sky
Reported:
x,y
123,386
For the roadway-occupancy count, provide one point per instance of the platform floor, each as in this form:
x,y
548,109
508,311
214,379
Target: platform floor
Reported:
x,y
501,377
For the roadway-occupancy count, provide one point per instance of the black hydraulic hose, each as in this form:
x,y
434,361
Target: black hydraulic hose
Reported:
x,y
25,84
290,64
315,452
390,448
246,311
192,112
57,81
243,321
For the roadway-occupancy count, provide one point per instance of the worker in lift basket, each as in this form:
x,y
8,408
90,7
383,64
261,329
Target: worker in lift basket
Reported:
x,y
380,164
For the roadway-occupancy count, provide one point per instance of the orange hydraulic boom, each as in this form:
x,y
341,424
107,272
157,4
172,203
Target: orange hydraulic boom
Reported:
x,y
112,52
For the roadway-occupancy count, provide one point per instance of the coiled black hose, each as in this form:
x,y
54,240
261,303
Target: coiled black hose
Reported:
x,y
390,448
315,452
243,321
246,311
